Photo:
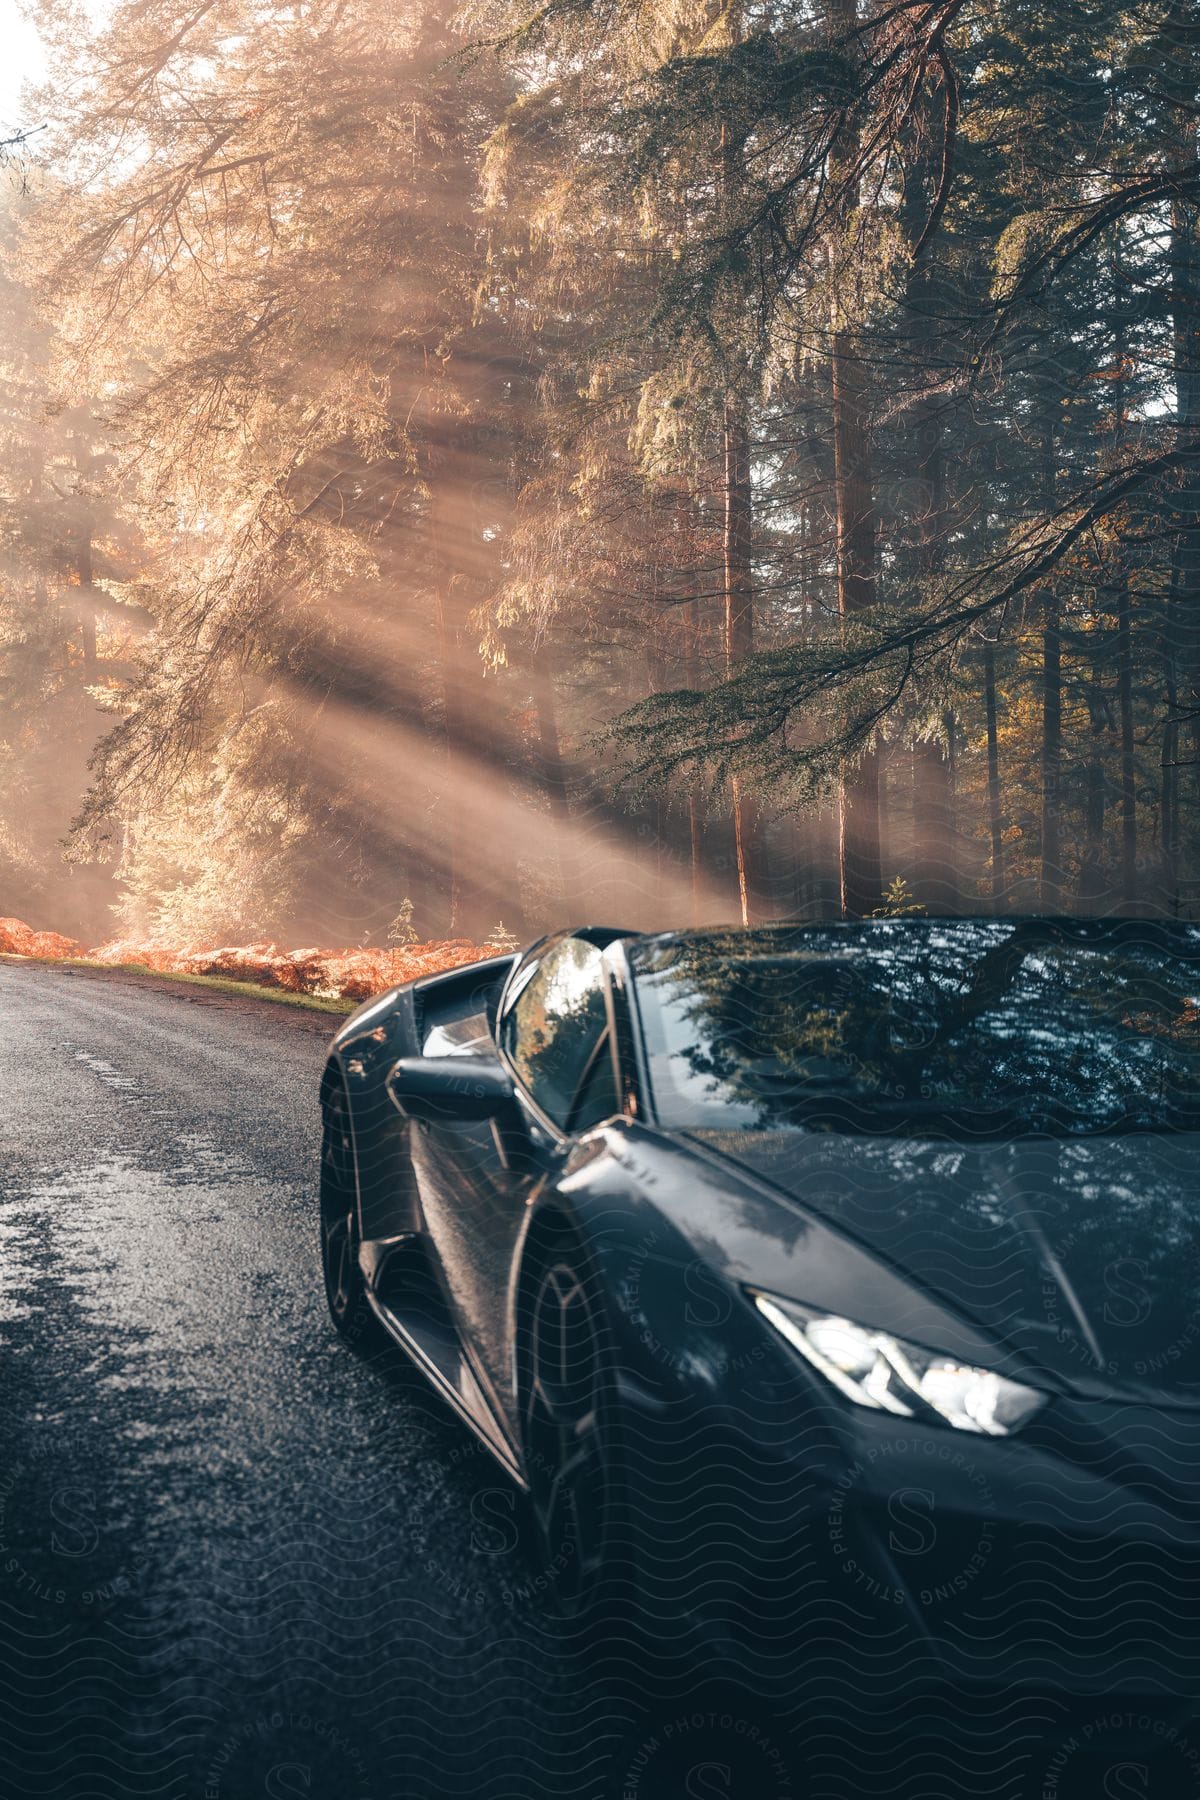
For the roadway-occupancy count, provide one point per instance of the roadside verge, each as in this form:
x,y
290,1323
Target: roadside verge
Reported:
x,y
175,982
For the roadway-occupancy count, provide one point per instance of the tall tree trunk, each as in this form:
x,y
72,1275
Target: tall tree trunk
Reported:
x,y
87,603
1091,886
935,875
859,848
1052,883
1182,622
656,824
84,570
1052,872
738,543
1120,569
739,641
1168,778
1129,892
691,665
854,505
995,819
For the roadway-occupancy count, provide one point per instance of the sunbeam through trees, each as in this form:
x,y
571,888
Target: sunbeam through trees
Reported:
x,y
663,461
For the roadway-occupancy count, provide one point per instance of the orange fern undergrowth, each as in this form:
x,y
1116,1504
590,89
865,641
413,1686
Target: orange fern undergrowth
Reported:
x,y
333,974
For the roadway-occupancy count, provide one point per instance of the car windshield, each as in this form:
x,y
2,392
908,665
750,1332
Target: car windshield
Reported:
x,y
926,1027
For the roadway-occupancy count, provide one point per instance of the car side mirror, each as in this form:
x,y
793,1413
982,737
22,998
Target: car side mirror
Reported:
x,y
449,1090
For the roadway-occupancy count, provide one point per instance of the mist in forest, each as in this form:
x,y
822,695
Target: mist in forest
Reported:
x,y
648,464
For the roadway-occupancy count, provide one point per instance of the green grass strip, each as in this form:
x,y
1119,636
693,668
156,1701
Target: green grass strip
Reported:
x,y
223,984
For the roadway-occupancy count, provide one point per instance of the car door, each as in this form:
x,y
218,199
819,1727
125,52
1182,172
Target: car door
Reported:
x,y
473,1179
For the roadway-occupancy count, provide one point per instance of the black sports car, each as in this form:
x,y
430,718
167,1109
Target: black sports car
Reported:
x,y
833,1288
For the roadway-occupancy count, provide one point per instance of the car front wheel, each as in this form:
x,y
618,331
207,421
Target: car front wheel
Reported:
x,y
568,1433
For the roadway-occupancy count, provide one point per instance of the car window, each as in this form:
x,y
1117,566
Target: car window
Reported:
x,y
555,1023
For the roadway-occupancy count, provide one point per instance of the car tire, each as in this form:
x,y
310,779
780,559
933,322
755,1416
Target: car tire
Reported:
x,y
345,1288
569,1435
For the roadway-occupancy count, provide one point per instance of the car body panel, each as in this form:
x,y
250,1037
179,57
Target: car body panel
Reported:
x,y
399,1023
476,1246
1083,1255
990,1254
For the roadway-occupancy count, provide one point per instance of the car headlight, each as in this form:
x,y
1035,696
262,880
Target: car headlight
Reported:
x,y
873,1369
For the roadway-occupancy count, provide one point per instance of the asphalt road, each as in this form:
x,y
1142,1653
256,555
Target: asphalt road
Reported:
x,y
236,1559
239,1561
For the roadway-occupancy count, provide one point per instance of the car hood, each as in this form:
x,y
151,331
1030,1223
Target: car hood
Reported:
x,y
1081,1254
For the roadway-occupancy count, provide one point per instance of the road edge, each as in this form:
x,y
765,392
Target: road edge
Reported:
x,y
222,984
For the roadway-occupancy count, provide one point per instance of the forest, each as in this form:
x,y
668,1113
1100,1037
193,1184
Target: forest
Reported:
x,y
469,469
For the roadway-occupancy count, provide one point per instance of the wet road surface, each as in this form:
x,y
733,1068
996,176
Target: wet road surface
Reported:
x,y
236,1559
